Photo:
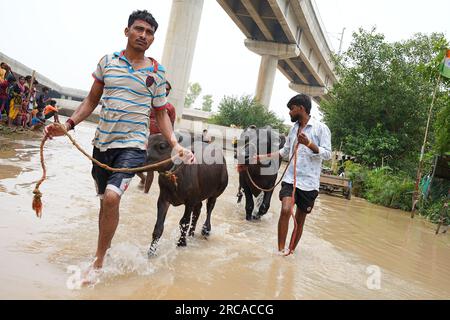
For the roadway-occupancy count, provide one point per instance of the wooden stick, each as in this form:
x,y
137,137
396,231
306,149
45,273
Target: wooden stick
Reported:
x,y
416,194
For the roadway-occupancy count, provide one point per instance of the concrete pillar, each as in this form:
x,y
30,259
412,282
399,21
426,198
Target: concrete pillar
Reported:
x,y
270,53
179,48
266,79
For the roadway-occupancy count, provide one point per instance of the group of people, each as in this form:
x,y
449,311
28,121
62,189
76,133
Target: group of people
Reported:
x,y
134,90
20,104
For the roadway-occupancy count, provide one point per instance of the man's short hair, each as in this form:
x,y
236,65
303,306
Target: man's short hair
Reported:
x,y
143,15
301,100
45,89
52,103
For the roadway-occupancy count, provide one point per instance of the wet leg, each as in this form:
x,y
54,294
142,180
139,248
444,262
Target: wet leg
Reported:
x,y
184,225
283,222
249,204
206,231
265,205
195,216
300,217
163,207
148,181
141,176
108,222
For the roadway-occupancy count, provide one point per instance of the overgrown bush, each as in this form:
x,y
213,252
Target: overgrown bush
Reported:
x,y
381,186
388,189
432,210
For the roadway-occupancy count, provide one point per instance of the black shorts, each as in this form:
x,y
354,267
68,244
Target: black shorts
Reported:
x,y
303,199
116,158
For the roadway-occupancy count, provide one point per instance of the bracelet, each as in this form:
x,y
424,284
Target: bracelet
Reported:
x,y
310,143
71,124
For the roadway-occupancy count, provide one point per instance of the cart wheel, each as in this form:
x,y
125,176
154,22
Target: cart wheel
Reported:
x,y
348,194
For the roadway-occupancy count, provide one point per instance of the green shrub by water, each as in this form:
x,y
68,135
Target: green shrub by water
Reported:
x,y
392,189
381,186
432,210
388,189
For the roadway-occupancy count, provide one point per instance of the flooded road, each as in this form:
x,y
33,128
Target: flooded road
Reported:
x,y
349,250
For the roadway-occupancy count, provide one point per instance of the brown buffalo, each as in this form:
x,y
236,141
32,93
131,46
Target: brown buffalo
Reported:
x,y
187,185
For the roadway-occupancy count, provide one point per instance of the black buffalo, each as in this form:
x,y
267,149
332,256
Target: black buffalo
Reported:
x,y
187,185
264,174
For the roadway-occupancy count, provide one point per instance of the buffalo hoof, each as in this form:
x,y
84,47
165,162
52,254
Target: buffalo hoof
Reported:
x,y
151,252
249,217
182,243
205,232
258,216
191,234
239,196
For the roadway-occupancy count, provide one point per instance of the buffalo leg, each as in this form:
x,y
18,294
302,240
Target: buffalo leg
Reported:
x,y
239,194
195,216
148,181
249,204
163,207
206,231
265,205
184,225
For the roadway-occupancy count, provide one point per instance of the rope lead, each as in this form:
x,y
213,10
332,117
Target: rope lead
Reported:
x,y
37,199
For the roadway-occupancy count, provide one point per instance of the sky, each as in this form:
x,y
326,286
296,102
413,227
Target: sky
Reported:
x,y
64,40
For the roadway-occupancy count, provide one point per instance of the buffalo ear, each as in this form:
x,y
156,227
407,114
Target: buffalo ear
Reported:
x,y
185,138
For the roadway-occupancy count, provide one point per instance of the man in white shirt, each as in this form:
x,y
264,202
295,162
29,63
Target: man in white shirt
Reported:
x,y
314,140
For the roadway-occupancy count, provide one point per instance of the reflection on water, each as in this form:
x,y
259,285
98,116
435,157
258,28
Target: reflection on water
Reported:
x,y
344,242
7,171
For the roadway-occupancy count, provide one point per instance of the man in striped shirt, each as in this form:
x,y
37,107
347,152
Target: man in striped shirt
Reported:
x,y
131,85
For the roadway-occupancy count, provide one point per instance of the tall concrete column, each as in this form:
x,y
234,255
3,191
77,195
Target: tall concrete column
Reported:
x,y
270,53
179,48
266,79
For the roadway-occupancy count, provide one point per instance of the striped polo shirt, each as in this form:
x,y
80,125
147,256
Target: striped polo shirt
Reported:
x,y
129,96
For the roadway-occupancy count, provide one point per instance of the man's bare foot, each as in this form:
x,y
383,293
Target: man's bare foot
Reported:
x,y
285,252
91,275
97,264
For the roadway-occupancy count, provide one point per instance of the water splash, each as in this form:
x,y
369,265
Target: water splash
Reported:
x,y
124,259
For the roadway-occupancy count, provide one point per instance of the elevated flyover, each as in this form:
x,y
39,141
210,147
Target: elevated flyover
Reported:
x,y
288,34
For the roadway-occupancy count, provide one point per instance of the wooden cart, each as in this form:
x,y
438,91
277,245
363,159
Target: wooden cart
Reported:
x,y
331,184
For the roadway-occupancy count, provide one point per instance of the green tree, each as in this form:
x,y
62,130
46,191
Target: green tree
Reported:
x,y
246,111
194,92
442,130
379,107
207,103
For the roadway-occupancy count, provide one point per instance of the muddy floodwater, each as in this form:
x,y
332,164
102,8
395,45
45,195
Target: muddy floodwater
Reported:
x,y
349,250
